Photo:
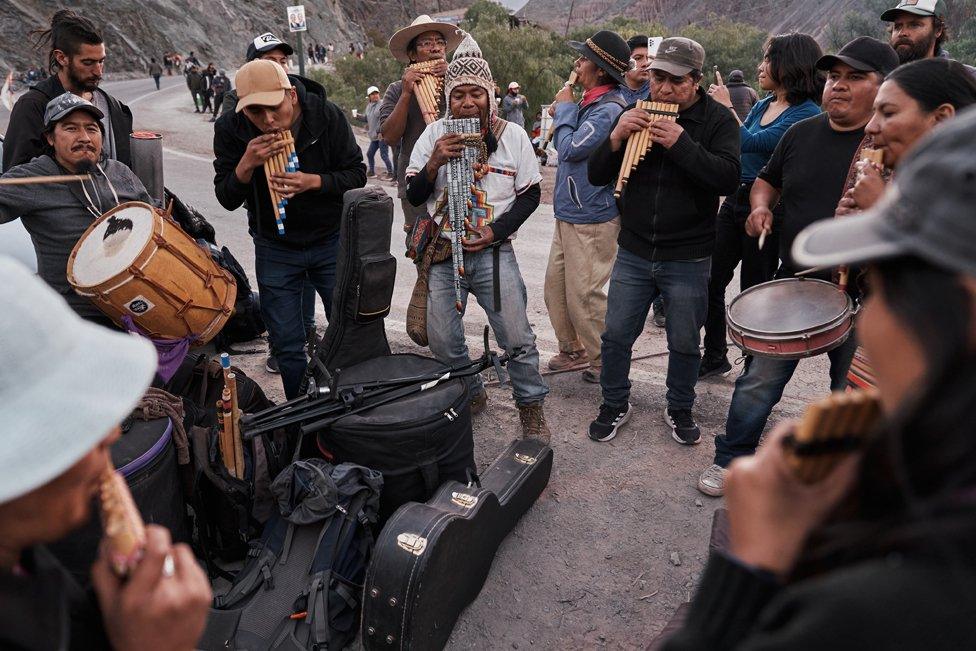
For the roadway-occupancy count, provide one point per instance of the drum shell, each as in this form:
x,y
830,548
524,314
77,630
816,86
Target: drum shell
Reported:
x,y
796,345
188,294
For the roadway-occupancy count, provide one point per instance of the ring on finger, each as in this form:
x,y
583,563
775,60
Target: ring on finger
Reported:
x,y
169,566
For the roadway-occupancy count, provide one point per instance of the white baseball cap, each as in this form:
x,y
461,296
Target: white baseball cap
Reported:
x,y
512,85
371,90
64,383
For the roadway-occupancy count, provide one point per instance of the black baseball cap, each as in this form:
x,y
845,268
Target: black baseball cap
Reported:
x,y
865,54
926,212
265,43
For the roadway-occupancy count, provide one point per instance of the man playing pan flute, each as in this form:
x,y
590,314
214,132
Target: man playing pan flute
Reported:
x,y
507,191
667,232
57,214
401,120
330,163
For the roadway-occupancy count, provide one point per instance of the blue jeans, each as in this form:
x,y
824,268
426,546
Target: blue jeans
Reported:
x,y
281,273
371,155
445,329
634,284
308,312
759,389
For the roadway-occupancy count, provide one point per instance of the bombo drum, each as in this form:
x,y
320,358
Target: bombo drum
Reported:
x,y
136,262
791,318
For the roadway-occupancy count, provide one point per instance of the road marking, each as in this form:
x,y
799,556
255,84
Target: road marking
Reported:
x,y
154,92
177,152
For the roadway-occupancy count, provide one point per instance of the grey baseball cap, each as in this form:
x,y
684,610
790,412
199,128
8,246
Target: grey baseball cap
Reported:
x,y
917,7
678,56
926,212
59,107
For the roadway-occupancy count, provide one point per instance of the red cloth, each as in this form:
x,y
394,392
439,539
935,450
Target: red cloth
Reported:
x,y
594,94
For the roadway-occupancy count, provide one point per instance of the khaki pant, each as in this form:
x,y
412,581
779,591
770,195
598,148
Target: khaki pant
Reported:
x,y
580,261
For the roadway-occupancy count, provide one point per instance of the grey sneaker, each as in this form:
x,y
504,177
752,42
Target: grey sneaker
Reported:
x,y
712,480
534,422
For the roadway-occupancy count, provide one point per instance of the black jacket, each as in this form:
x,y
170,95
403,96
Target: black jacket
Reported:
x,y
325,145
25,140
672,197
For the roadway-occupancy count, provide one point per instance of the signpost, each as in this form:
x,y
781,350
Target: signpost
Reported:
x,y
297,24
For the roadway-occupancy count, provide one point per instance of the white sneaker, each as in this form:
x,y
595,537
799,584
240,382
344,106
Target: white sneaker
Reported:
x,y
712,480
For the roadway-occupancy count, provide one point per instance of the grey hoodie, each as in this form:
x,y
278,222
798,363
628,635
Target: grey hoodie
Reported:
x,y
55,215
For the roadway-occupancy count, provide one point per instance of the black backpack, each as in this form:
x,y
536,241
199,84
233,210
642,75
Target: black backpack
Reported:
x,y
246,323
301,587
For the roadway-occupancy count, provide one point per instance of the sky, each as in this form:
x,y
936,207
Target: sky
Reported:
x,y
513,5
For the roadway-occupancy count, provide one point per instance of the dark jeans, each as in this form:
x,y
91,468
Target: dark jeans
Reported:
x,y
308,312
281,273
383,148
732,245
634,284
156,79
759,389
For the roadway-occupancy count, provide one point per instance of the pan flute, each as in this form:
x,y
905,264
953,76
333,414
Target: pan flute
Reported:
x,y
429,90
125,534
640,142
460,180
830,429
284,161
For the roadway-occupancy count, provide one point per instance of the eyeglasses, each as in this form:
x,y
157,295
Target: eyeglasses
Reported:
x,y
432,42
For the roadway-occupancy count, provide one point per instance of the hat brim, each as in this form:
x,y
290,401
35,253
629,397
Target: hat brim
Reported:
x,y
671,68
52,424
598,61
851,240
266,98
92,110
828,61
400,41
890,15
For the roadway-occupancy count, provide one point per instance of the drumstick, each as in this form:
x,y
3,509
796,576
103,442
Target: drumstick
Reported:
x,y
37,180
125,534
762,238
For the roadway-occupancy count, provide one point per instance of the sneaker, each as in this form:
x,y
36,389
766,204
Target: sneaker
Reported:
x,y
272,364
683,427
479,402
370,175
608,422
592,375
713,366
534,423
569,361
659,319
712,480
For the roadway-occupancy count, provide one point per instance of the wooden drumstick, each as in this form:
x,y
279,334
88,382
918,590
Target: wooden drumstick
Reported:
x,y
762,238
37,180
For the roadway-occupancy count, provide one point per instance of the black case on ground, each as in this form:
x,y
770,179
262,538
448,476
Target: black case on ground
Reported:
x,y
365,277
431,560
417,442
146,457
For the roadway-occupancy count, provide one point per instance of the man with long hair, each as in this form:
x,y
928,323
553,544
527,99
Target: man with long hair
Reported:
x,y
77,59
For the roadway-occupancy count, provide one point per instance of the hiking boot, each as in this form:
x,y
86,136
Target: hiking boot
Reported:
x,y
534,422
608,422
712,480
592,375
479,402
684,430
659,319
272,365
569,361
711,366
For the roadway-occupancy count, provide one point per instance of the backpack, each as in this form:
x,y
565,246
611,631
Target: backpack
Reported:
x,y
246,323
199,381
301,587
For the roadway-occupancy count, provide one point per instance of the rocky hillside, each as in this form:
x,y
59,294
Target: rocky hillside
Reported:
x,y
776,16
217,30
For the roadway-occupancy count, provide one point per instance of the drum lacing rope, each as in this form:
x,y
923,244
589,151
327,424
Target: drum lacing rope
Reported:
x,y
157,403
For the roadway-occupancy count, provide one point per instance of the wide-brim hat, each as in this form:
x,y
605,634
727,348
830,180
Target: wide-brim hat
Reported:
x,y
64,382
608,51
400,41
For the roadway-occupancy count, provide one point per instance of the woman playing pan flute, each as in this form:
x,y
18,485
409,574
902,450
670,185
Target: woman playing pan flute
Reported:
x,y
878,554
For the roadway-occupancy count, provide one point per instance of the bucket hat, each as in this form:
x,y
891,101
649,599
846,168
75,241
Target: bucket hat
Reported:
x,y
64,382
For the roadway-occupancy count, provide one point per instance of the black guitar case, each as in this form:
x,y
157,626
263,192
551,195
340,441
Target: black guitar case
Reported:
x,y
365,276
431,560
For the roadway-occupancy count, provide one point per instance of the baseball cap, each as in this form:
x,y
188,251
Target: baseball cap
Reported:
x,y
371,90
512,85
65,103
265,43
926,212
917,7
865,54
678,56
262,83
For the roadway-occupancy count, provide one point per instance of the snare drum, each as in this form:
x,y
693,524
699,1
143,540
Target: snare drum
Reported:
x,y
791,318
134,261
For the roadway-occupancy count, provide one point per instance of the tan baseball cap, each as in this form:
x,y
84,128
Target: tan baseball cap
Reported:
x,y
261,83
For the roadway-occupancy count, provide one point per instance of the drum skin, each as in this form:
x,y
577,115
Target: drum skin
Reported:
x,y
791,318
165,282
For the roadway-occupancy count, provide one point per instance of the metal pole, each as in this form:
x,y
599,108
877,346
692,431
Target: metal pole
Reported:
x,y
301,55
